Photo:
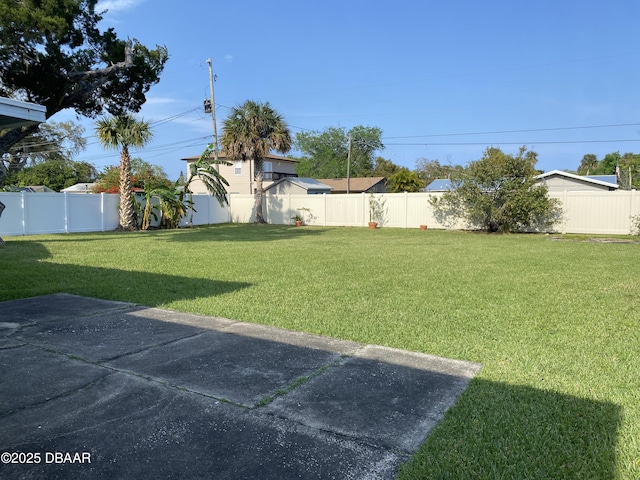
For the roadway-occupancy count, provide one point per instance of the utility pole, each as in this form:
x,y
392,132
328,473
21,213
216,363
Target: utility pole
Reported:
x,y
349,166
213,115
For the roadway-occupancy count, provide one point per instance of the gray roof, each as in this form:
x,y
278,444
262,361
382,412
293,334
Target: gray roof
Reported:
x,y
604,178
303,182
439,185
80,188
444,184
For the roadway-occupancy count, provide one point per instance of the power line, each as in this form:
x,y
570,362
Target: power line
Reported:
x,y
513,143
517,131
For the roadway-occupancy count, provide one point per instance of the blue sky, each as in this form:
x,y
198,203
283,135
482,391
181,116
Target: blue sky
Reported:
x,y
443,80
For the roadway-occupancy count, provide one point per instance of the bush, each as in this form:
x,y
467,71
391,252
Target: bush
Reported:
x,y
499,193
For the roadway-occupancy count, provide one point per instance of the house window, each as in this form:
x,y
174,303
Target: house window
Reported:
x,y
237,167
267,167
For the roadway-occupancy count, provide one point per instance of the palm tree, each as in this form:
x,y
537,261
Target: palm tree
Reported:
x,y
119,133
204,169
250,132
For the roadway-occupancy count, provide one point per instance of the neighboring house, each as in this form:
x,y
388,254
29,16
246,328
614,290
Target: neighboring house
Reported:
x,y
558,181
80,188
555,180
241,174
356,185
297,185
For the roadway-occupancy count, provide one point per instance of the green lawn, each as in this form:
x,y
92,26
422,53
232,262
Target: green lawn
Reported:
x,y
556,324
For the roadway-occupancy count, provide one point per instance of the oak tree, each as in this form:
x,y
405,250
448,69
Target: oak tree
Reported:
x,y
53,53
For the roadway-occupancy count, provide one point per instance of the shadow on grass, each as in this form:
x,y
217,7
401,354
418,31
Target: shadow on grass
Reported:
x,y
229,232
33,277
511,431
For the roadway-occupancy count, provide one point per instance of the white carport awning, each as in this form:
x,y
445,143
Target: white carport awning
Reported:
x,y
14,113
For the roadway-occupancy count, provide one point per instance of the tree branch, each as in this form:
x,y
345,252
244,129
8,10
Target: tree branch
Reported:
x,y
106,72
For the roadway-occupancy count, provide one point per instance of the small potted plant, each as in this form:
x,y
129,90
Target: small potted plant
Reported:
x,y
297,219
376,211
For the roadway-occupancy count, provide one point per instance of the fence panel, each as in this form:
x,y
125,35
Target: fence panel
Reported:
x,y
12,219
29,213
206,211
45,213
346,210
598,212
242,208
92,213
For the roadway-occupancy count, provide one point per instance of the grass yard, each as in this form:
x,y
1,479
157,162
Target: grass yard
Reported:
x,y
555,323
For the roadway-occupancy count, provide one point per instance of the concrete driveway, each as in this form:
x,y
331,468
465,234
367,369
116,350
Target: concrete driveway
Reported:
x,y
96,389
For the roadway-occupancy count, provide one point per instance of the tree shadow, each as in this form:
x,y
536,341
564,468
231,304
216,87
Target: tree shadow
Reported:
x,y
150,289
511,431
229,232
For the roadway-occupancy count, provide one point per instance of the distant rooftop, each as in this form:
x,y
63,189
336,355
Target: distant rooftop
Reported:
x,y
439,185
356,185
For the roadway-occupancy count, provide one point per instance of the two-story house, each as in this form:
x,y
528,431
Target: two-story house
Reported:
x,y
241,173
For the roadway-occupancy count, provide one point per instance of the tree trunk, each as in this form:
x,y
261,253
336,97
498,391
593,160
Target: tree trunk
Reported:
x,y
1,209
13,136
259,193
126,194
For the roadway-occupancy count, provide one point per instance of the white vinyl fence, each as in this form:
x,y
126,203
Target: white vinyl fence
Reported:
x,y
583,212
30,213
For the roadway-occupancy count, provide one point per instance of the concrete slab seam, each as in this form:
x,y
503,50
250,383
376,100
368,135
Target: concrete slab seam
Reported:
x,y
150,347
56,397
297,383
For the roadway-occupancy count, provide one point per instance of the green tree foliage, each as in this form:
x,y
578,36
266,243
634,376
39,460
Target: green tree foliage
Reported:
x,y
627,168
56,174
53,53
52,141
119,133
588,165
404,180
607,166
205,169
142,172
499,193
385,168
325,153
430,170
629,171
250,132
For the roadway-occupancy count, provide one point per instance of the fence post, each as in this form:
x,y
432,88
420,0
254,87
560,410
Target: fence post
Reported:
x,y
364,210
564,205
325,209
23,202
632,201
102,211
406,209
66,213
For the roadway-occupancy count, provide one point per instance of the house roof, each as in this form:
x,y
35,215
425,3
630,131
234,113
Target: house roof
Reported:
x,y
356,185
603,180
444,184
32,188
302,182
269,156
439,185
80,188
